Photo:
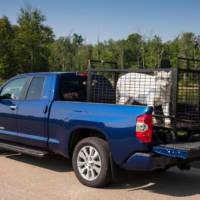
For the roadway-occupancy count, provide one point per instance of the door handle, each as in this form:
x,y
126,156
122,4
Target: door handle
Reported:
x,y
13,107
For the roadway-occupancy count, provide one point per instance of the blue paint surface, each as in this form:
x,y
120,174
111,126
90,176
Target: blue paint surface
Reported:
x,y
29,137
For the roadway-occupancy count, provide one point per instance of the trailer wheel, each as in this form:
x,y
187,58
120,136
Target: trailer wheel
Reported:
x,y
91,162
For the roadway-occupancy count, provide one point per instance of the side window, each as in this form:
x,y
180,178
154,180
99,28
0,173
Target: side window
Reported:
x,y
14,88
73,88
36,88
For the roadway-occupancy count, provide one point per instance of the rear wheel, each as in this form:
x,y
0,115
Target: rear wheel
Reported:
x,y
91,162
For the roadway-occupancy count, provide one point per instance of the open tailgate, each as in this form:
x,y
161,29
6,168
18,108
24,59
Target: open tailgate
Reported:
x,y
185,150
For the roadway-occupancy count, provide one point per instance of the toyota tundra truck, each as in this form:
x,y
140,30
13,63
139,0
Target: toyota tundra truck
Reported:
x,y
48,113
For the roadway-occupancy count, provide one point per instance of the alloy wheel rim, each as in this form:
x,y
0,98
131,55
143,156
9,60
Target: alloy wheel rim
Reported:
x,y
89,163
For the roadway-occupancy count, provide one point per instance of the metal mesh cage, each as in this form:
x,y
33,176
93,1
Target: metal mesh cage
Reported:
x,y
173,93
188,93
134,87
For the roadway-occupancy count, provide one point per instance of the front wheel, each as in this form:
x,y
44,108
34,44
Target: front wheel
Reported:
x,y
91,162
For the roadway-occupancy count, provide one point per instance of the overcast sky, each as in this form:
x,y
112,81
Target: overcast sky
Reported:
x,y
114,19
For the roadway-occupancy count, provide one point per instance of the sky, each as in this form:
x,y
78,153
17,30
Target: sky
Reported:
x,y
116,19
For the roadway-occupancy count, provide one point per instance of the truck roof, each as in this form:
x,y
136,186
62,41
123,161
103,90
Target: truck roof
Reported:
x,y
46,73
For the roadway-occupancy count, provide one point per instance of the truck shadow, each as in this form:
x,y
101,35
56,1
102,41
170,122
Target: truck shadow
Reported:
x,y
50,162
172,182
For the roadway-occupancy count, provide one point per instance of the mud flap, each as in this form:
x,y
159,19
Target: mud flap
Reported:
x,y
186,150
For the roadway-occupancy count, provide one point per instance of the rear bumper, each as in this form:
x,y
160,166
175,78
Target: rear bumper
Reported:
x,y
146,162
163,156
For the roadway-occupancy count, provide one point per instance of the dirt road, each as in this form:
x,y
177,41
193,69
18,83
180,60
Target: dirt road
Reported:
x,y
27,178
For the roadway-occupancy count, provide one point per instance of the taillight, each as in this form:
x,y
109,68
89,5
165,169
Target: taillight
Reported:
x,y
144,128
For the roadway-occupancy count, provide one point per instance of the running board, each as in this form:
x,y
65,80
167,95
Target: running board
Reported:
x,y
23,149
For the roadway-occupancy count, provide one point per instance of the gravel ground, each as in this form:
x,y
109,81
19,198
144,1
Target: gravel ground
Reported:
x,y
28,178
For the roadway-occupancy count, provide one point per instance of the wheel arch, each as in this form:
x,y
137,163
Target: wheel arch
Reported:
x,y
81,133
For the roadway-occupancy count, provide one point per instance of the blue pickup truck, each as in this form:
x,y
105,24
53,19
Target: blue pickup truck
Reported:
x,y
44,113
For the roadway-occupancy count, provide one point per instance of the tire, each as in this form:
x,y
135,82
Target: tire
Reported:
x,y
92,170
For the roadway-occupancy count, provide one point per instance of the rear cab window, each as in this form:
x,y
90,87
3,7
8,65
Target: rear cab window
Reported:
x,y
73,88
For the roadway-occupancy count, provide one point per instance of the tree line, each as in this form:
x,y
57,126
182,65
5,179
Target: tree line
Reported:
x,y
31,46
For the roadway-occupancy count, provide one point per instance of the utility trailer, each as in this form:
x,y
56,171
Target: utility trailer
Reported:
x,y
174,94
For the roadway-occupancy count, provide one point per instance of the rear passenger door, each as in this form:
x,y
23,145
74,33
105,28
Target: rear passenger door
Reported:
x,y
32,114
